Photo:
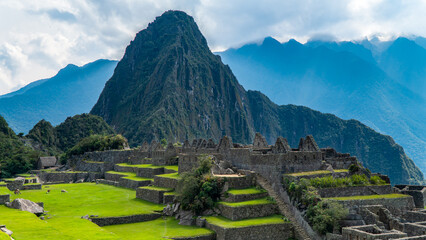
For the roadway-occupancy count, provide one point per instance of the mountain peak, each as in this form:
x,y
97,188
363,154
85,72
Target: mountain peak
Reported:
x,y
270,41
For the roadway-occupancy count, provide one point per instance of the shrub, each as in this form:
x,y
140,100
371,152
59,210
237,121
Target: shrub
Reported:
x,y
199,190
326,215
376,180
353,168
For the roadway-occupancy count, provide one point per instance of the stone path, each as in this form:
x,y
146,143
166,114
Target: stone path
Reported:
x,y
299,231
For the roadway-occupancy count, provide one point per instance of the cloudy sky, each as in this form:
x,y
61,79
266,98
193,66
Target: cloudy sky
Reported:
x,y
40,37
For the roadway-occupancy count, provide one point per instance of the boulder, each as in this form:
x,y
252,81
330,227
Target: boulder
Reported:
x,y
26,205
186,218
7,231
200,222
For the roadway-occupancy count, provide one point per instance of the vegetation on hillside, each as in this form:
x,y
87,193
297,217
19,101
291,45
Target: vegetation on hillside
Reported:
x,y
98,143
15,157
55,140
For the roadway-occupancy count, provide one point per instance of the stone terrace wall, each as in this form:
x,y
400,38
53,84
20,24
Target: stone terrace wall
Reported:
x,y
397,206
66,177
110,158
106,221
341,162
273,231
354,191
4,198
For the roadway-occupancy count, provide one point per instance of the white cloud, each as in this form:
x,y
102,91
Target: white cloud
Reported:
x,y
40,37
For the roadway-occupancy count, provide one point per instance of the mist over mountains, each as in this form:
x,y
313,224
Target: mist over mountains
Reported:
x,y
382,84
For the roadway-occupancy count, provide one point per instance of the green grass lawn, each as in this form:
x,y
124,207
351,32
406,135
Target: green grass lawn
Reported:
x,y
245,191
170,175
393,195
318,172
158,229
264,200
65,211
131,176
172,167
4,236
226,223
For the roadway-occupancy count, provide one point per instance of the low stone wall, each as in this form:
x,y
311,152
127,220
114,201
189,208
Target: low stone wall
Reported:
x,y
165,182
106,221
423,237
244,197
132,184
248,211
240,182
4,198
118,168
341,162
107,182
354,191
113,176
415,216
90,166
109,159
168,198
204,237
32,187
415,229
67,177
149,172
397,206
270,231
150,195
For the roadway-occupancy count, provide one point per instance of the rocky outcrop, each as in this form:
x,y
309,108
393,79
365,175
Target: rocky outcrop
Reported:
x,y
26,205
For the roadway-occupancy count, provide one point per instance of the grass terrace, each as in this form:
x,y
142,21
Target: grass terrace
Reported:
x,y
155,188
139,165
312,173
259,201
162,228
226,223
384,196
246,191
170,175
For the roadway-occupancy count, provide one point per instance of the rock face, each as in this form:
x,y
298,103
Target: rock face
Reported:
x,y
169,70
26,205
170,85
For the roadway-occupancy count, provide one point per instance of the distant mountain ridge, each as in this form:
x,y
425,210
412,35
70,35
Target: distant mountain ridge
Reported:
x,y
169,85
74,90
343,78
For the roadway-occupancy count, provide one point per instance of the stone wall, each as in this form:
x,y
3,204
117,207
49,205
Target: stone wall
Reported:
x,y
247,211
244,197
397,206
341,162
109,159
415,216
415,229
132,184
165,182
272,231
107,182
32,187
67,177
355,191
204,237
106,221
4,198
